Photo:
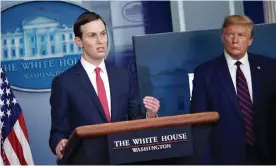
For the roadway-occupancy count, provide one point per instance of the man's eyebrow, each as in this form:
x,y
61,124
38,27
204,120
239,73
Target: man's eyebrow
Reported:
x,y
88,33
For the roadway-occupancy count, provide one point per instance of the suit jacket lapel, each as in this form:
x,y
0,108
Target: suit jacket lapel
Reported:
x,y
228,86
255,70
112,84
89,89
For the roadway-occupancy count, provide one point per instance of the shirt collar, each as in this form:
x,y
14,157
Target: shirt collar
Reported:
x,y
90,68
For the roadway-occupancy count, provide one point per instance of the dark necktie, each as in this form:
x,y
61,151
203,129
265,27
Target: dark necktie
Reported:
x,y
245,104
102,93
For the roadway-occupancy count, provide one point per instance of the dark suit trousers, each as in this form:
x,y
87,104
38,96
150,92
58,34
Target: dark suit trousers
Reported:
x,y
253,156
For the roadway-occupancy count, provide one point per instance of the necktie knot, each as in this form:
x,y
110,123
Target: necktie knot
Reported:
x,y
238,63
97,70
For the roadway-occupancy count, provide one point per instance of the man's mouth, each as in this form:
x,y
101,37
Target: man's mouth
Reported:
x,y
100,49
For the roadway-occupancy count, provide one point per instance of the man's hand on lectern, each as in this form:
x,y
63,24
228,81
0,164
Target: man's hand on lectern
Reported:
x,y
152,105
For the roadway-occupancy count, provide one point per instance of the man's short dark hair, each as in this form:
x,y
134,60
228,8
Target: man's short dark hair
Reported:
x,y
84,18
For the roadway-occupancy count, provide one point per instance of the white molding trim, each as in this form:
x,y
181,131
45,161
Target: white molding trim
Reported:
x,y
269,11
231,7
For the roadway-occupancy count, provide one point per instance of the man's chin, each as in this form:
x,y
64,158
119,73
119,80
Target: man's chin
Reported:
x,y
101,55
238,56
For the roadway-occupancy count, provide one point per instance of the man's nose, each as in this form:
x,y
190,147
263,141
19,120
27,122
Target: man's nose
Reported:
x,y
235,39
99,39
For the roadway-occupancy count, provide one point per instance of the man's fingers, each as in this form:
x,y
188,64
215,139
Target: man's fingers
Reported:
x,y
59,155
58,152
63,143
155,100
60,148
151,100
150,105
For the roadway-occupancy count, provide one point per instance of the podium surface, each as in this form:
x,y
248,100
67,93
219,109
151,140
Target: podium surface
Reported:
x,y
83,137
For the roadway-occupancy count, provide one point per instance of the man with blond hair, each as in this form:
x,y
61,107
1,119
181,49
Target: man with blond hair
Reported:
x,y
238,85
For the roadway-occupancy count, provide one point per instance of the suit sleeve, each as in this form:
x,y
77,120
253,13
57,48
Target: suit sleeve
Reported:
x,y
199,97
199,104
59,114
272,114
134,106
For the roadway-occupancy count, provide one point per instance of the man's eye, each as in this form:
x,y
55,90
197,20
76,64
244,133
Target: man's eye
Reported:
x,y
229,34
91,35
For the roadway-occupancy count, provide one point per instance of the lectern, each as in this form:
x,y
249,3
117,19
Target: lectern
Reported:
x,y
149,141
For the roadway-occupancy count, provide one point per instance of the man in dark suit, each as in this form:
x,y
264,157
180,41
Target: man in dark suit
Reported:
x,y
239,86
93,92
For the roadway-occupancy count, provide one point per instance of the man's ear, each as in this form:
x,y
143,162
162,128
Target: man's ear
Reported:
x,y
78,42
250,42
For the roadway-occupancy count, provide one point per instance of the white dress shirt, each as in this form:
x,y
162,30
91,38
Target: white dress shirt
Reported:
x,y
245,67
90,70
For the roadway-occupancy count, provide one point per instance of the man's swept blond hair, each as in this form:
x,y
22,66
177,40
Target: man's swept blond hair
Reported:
x,y
238,20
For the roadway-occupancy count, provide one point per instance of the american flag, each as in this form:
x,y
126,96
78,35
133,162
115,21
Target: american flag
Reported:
x,y
15,148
